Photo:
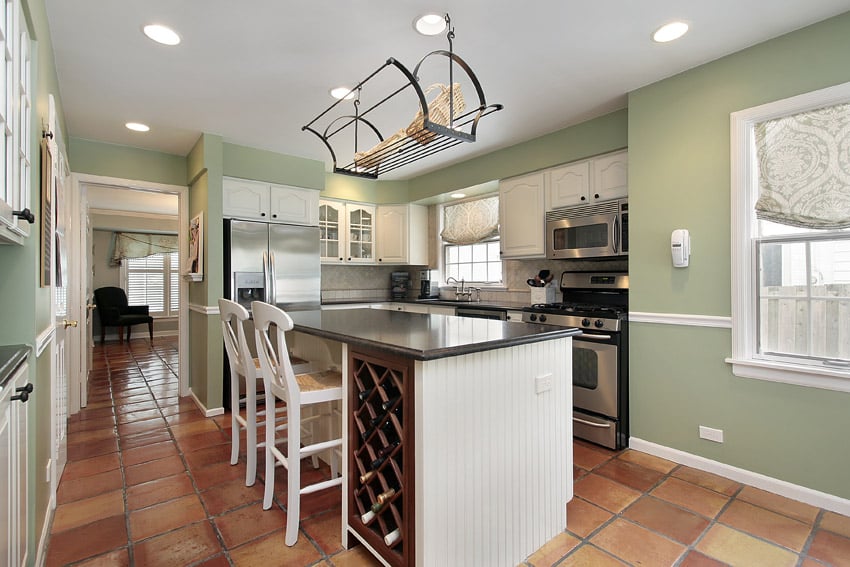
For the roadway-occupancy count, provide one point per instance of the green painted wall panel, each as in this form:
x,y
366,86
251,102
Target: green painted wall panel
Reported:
x,y
679,177
111,160
600,135
263,165
679,382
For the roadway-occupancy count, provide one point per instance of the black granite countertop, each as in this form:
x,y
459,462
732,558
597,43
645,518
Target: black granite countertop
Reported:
x,y
420,336
11,357
485,304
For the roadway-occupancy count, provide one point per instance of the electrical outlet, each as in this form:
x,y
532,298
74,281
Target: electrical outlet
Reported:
x,y
542,383
711,434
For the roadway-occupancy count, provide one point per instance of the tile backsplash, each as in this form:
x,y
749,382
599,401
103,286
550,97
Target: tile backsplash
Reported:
x,y
341,282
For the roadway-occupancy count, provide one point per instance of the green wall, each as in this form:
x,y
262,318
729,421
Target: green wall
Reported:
x,y
679,177
112,160
598,136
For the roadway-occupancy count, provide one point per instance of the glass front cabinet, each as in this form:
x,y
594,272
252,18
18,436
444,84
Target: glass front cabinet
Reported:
x,y
347,232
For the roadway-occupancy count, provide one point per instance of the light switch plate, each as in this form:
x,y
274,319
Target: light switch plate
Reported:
x,y
711,434
542,383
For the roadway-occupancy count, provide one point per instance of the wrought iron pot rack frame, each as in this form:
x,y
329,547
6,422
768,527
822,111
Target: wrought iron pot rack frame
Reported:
x,y
405,149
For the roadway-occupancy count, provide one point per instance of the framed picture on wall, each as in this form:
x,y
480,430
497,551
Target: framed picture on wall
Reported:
x,y
48,187
195,261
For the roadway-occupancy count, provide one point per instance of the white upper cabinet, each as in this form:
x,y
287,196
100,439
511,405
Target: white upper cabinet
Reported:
x,y
402,234
521,213
569,184
588,181
346,232
294,205
256,200
611,176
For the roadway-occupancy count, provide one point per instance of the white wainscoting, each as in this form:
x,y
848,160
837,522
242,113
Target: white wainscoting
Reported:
x,y
493,456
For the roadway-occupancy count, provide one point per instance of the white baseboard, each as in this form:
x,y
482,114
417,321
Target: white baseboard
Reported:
x,y
41,548
758,480
207,412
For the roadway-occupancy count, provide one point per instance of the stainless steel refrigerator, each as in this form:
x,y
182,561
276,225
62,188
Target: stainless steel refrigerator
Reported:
x,y
275,263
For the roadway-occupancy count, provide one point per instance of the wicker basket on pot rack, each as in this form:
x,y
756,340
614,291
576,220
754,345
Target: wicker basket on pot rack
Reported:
x,y
378,153
439,111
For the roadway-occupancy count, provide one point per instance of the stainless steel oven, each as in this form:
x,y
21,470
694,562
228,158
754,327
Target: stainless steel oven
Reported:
x,y
597,304
598,230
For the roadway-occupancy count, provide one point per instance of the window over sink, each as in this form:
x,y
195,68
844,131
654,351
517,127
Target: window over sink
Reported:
x,y
469,236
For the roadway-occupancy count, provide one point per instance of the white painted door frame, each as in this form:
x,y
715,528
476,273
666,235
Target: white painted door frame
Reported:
x,y
80,182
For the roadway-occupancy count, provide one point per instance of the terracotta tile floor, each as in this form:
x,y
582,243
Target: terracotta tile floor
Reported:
x,y
148,483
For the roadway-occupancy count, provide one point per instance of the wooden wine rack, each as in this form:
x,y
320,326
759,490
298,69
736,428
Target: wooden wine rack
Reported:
x,y
381,432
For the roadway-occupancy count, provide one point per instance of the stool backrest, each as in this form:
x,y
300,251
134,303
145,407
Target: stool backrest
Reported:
x,y
233,316
278,376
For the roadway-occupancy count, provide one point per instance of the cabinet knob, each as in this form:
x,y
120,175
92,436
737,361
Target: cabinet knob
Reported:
x,y
596,195
262,214
380,259
340,259
349,259
25,214
24,393
274,216
583,198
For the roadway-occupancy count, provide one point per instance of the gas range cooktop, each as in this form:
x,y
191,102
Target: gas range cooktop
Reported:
x,y
593,301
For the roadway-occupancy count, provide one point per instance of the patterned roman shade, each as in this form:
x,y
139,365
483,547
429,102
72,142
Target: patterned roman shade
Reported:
x,y
804,168
471,221
138,245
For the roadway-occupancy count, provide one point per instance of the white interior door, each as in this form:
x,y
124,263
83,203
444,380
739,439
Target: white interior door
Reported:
x,y
65,322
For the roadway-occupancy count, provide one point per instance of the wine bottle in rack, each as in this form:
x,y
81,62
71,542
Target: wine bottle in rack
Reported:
x,y
369,475
388,449
367,517
382,500
365,393
392,537
384,424
390,403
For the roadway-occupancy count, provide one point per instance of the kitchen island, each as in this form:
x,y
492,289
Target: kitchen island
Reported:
x,y
457,433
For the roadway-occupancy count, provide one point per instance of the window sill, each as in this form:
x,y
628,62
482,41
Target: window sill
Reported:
x,y
823,378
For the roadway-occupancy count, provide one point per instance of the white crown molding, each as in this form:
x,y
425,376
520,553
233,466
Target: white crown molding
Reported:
x,y
681,319
783,488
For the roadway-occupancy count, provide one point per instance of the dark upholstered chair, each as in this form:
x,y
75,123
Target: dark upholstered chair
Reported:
x,y
113,311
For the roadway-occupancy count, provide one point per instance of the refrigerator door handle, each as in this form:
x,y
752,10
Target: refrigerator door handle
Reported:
x,y
273,280
265,277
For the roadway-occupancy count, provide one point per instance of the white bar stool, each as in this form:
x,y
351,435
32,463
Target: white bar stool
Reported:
x,y
296,390
244,368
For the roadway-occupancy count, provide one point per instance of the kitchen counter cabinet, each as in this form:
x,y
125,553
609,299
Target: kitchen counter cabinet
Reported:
x,y
482,471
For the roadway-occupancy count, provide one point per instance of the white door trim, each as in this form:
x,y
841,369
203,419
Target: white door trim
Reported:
x,y
80,181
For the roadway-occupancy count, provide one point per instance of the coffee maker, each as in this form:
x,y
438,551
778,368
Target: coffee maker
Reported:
x,y
428,288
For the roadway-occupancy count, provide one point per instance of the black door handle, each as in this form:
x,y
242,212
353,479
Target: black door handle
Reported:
x,y
25,392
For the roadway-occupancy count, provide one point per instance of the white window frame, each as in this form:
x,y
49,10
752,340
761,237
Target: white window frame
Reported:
x,y
745,360
169,271
443,245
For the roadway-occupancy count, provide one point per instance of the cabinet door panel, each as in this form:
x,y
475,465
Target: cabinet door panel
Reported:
x,y
522,216
569,185
294,205
611,176
392,234
245,199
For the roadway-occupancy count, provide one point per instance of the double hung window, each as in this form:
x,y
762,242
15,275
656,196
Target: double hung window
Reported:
x,y
791,240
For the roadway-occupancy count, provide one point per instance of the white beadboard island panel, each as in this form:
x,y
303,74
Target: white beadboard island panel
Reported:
x,y
493,456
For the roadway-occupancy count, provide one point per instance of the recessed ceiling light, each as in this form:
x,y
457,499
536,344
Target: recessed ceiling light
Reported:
x,y
161,34
430,24
457,195
669,32
342,92
137,126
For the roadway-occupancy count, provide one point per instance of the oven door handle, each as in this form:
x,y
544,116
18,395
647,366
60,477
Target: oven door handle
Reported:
x,y
596,337
590,423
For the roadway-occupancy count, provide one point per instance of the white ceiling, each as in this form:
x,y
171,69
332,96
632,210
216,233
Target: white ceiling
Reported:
x,y
255,72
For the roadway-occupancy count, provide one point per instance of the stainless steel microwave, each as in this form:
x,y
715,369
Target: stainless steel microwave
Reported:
x,y
599,230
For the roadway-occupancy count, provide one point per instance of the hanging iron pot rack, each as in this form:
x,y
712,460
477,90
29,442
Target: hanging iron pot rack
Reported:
x,y
439,125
